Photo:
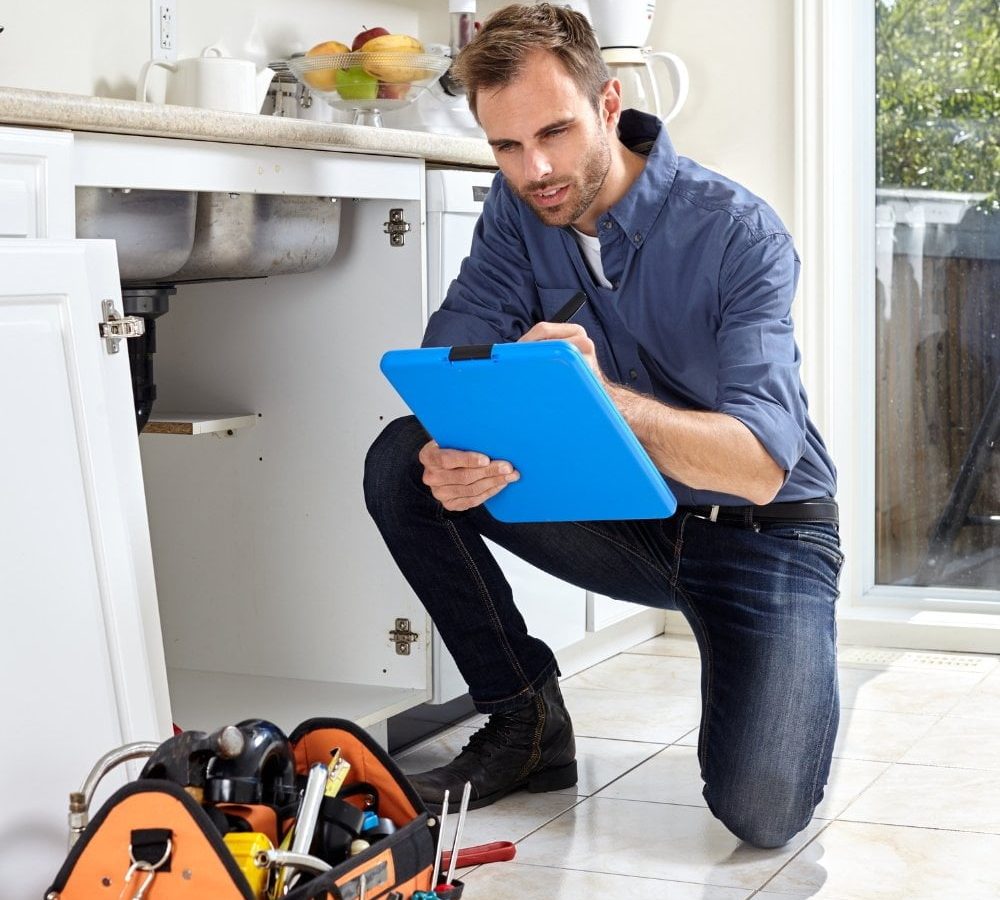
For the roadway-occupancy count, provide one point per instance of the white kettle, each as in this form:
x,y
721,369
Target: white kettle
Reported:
x,y
209,81
636,68
622,29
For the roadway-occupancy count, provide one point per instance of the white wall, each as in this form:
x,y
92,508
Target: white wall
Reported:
x,y
738,117
97,47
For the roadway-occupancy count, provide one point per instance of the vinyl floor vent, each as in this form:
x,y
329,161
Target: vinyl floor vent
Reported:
x,y
915,659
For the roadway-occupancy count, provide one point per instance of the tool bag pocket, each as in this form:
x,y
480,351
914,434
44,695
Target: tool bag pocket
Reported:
x,y
150,831
399,862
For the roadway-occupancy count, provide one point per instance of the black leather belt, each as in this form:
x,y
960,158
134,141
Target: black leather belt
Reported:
x,y
800,511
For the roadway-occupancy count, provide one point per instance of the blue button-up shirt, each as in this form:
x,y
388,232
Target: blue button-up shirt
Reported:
x,y
703,274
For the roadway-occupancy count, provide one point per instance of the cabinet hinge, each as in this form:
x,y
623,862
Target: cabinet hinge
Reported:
x,y
116,327
396,227
402,637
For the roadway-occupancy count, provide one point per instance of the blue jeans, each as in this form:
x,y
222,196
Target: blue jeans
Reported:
x,y
760,600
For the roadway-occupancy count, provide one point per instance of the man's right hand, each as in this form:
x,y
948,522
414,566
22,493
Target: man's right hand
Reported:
x,y
462,479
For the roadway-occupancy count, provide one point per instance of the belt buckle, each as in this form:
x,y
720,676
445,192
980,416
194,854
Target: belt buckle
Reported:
x,y
713,514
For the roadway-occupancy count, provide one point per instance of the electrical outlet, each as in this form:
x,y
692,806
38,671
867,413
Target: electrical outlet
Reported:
x,y
163,29
166,26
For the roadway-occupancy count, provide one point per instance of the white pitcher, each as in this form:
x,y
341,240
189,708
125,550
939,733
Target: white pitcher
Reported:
x,y
209,81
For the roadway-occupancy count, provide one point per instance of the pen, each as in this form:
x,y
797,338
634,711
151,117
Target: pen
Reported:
x,y
570,309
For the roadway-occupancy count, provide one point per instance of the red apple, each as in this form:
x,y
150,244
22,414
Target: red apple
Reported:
x,y
392,91
366,35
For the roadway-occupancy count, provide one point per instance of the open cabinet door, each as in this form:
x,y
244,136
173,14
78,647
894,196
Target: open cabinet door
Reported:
x,y
82,661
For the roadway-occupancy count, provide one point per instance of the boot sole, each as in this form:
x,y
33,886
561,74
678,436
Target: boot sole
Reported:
x,y
555,778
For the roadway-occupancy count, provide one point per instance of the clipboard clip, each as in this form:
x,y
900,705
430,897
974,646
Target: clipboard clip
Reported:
x,y
470,351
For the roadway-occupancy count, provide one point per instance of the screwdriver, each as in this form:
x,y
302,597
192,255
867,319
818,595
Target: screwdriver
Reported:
x,y
430,895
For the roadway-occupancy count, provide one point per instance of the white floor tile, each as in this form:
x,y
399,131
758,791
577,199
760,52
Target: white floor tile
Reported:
x,y
983,701
631,716
690,739
654,840
674,776
511,819
849,779
931,797
877,735
511,881
669,645
600,761
668,676
914,792
960,742
904,690
855,861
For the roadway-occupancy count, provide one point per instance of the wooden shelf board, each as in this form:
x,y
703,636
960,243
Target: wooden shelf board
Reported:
x,y
197,423
205,701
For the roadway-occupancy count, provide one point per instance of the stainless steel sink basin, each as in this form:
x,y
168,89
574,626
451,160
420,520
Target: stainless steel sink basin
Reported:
x,y
176,236
251,235
154,230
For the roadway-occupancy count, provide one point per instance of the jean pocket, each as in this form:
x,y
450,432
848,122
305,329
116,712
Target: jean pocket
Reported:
x,y
824,537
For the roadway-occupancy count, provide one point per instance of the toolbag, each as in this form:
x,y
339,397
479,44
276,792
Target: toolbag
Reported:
x,y
152,839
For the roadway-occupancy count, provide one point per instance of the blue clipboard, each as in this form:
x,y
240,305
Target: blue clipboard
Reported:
x,y
538,405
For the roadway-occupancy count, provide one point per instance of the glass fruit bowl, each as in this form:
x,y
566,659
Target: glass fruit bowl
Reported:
x,y
368,83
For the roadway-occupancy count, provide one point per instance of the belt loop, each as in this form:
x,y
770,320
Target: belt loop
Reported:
x,y
713,514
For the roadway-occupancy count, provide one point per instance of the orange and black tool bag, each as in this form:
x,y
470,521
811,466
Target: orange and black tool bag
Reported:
x,y
152,832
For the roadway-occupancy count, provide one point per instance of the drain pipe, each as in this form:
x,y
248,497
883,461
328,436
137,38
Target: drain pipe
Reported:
x,y
149,302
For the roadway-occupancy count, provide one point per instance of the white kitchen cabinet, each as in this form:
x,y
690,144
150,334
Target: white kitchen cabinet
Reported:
x,y
277,595
36,188
82,664
604,611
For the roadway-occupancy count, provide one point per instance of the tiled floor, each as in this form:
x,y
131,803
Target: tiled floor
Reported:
x,y
912,810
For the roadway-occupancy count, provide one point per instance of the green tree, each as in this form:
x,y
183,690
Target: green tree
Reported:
x,y
938,95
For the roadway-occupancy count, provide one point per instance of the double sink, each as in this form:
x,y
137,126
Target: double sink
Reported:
x,y
184,236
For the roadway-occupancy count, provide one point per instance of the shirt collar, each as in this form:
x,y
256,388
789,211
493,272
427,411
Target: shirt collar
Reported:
x,y
636,212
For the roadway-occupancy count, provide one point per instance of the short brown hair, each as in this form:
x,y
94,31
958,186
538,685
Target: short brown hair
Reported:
x,y
496,55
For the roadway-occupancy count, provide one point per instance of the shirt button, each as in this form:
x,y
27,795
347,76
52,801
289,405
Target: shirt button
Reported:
x,y
607,224
637,237
633,374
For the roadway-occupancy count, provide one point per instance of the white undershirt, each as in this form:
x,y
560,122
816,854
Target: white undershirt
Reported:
x,y
591,249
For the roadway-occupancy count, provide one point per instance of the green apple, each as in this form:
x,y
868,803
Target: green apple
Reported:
x,y
356,84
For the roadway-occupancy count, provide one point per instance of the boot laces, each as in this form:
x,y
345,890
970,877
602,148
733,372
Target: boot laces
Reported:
x,y
495,735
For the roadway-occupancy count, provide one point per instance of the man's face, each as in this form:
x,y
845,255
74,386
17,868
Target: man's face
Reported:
x,y
550,144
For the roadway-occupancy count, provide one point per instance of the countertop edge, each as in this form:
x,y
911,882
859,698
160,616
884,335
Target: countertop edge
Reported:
x,y
77,112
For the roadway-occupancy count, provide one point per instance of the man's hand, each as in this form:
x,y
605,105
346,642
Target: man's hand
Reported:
x,y
573,334
461,479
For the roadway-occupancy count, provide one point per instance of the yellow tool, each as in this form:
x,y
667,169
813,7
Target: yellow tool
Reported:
x,y
337,769
244,846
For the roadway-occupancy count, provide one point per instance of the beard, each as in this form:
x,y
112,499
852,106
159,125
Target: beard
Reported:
x,y
583,188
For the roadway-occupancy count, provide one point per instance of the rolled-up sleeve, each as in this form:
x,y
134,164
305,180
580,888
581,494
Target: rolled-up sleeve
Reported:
x,y
758,378
494,298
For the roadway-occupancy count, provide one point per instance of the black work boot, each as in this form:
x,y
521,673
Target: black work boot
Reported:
x,y
531,747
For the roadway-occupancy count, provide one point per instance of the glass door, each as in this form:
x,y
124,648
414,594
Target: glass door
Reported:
x,y
937,293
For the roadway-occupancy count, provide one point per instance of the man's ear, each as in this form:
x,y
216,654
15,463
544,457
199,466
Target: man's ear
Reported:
x,y
611,103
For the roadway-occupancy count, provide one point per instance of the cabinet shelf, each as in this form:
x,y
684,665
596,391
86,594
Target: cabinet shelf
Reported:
x,y
197,423
205,701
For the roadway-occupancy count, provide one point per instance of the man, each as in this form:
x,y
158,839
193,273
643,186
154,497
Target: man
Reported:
x,y
690,279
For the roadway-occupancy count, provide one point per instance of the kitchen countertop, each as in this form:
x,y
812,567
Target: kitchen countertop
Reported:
x,y
77,112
